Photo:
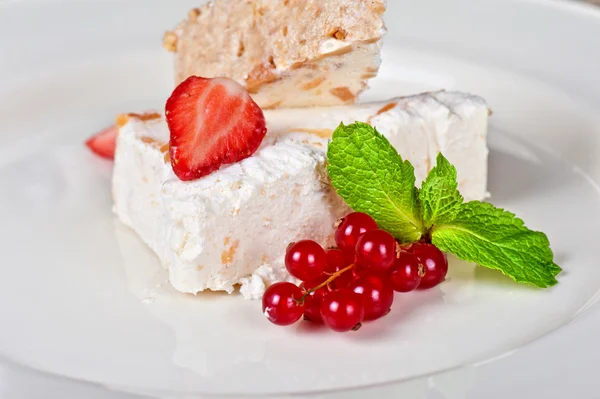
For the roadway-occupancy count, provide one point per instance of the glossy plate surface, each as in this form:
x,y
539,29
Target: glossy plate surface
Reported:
x,y
82,298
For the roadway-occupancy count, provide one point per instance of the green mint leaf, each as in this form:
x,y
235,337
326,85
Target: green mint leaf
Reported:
x,y
369,174
554,269
439,194
497,239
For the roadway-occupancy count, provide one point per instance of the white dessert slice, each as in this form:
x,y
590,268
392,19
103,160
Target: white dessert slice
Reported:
x,y
287,53
232,227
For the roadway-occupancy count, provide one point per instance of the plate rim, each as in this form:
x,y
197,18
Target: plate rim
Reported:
x,y
579,8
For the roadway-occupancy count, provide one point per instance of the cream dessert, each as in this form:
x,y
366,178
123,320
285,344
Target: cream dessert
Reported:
x,y
231,227
287,53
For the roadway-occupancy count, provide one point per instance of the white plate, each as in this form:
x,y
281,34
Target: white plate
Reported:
x,y
82,298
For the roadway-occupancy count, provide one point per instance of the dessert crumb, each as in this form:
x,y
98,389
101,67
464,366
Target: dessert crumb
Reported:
x,y
170,41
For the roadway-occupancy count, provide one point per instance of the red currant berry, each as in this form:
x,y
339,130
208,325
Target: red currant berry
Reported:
x,y
312,303
280,303
376,249
377,293
305,260
433,260
342,310
350,257
342,281
406,273
352,227
336,261
358,270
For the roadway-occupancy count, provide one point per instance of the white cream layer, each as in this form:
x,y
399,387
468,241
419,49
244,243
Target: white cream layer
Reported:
x,y
232,227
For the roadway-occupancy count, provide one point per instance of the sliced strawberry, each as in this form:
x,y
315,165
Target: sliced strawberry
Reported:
x,y
104,142
213,122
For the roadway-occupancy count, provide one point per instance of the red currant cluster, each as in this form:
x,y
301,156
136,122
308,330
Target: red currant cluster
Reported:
x,y
355,282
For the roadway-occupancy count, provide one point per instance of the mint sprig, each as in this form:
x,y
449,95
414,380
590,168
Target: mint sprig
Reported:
x,y
370,175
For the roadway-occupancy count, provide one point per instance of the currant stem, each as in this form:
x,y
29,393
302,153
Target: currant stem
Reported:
x,y
326,282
